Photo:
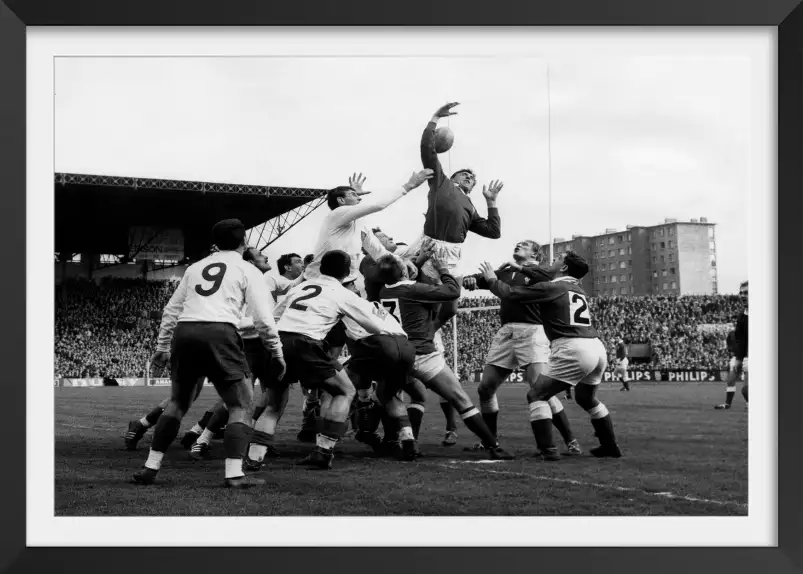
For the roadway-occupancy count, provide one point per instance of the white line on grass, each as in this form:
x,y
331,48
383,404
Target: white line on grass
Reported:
x,y
453,464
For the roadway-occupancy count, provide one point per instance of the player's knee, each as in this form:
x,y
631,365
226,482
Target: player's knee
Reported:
x,y
555,405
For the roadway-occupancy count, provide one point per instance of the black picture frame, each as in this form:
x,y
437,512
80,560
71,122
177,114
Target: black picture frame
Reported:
x,y
786,15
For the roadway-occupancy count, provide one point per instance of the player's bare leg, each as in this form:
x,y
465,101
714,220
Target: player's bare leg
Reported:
x,y
445,313
559,419
417,392
201,448
367,412
167,427
338,392
274,402
192,435
394,407
733,375
138,428
492,378
446,385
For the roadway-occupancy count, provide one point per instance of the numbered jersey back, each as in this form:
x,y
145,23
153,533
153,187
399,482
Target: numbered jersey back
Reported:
x,y
312,308
566,313
216,288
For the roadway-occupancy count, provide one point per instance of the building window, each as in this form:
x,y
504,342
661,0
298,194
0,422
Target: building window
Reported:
x,y
632,289
661,232
671,243
663,273
619,238
665,286
602,255
610,240
622,251
622,265
596,279
602,243
711,246
655,274
613,279
710,231
630,251
631,277
671,256
605,279
655,260
713,263
623,278
671,231
628,237
663,245
611,253
674,285
623,290
662,258
672,270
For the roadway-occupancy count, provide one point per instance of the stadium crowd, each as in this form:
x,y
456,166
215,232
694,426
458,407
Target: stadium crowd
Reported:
x,y
109,328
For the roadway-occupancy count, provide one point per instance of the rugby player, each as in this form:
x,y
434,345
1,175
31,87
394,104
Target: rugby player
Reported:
x,y
414,305
309,313
198,335
739,346
620,370
577,356
520,342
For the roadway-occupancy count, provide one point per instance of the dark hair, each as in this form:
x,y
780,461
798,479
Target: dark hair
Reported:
x,y
577,266
309,258
390,270
336,264
334,194
285,260
248,254
228,234
466,170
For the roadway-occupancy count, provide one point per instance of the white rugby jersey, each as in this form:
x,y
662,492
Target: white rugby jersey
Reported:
x,y
246,326
390,325
217,289
342,229
315,306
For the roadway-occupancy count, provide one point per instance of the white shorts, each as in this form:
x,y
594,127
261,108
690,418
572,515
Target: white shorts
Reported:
x,y
733,363
620,370
518,345
449,252
427,367
574,360
438,340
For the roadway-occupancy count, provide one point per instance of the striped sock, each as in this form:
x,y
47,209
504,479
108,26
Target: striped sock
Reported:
x,y
474,422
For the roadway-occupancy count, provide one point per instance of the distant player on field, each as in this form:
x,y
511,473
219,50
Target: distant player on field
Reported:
x,y
521,342
577,358
198,335
620,370
739,348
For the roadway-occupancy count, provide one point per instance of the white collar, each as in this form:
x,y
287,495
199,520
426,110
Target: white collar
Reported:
x,y
566,279
402,282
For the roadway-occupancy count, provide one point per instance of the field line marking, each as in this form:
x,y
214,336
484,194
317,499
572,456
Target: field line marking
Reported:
x,y
455,465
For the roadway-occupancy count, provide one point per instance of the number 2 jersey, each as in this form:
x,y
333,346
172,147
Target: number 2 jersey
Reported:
x,y
316,305
415,305
217,289
562,302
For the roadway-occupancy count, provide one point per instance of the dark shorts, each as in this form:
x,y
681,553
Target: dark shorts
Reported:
x,y
258,358
211,350
336,337
387,358
307,360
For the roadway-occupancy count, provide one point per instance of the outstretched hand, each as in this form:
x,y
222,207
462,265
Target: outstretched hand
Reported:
x,y
446,110
491,191
356,181
418,178
487,271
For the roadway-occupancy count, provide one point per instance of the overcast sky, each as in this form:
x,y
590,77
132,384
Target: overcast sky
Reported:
x,y
634,140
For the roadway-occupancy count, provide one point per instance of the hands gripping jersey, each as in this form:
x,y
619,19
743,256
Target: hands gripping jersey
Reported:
x,y
415,306
563,305
451,215
315,306
216,290
511,311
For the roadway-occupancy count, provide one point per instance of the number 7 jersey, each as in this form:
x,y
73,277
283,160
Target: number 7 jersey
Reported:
x,y
563,304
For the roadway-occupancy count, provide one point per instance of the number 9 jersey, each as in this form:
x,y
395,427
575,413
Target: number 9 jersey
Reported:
x,y
562,302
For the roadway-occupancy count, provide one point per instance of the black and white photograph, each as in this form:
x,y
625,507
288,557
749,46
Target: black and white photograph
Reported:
x,y
386,279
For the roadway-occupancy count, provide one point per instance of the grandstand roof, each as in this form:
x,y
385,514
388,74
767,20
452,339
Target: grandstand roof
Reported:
x,y
95,212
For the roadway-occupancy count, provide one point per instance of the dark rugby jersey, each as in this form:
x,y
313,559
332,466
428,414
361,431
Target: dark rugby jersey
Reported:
x,y
415,305
513,311
741,336
563,305
450,214
730,341
621,352
370,273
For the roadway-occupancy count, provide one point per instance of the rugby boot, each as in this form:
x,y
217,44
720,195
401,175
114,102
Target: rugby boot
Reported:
x,y
498,453
474,448
250,465
189,439
135,432
573,449
372,439
200,451
145,476
245,481
722,407
319,458
450,439
607,451
548,455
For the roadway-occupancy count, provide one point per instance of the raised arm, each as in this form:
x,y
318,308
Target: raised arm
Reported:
x,y
491,227
365,314
170,315
429,157
347,213
538,293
